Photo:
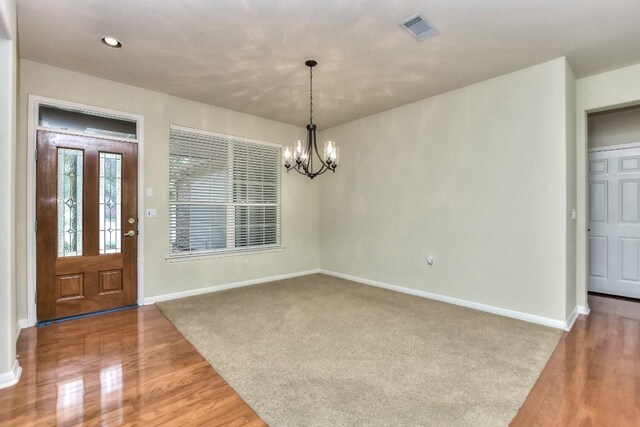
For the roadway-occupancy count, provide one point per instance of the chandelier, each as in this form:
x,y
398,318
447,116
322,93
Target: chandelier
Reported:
x,y
300,158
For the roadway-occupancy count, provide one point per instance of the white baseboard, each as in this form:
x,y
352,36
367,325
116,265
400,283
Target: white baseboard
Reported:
x,y
12,377
218,288
546,321
584,309
572,318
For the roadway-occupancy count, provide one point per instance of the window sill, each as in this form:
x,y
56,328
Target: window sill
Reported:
x,y
202,256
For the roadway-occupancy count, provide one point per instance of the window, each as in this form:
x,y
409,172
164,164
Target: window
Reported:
x,y
70,167
110,203
86,122
224,193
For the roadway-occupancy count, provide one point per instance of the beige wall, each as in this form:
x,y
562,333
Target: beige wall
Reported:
x,y
614,127
8,70
473,177
299,195
614,89
434,177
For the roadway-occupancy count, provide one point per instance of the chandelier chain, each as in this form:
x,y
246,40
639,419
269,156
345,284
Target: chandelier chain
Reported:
x,y
310,94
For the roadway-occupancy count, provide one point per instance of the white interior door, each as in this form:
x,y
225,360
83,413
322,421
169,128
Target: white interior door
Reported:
x,y
614,222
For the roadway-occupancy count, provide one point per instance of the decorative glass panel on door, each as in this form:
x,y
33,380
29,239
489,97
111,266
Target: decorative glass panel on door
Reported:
x,y
70,169
110,203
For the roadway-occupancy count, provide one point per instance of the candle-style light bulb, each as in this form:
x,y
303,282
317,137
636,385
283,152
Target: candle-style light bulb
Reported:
x,y
298,152
336,158
286,157
329,152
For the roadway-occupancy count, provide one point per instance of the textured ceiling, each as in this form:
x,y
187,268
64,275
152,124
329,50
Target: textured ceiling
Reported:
x,y
249,55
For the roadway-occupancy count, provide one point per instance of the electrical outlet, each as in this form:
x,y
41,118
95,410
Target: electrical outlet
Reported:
x,y
152,213
245,263
431,260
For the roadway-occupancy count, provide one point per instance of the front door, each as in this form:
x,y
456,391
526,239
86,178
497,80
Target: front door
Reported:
x,y
86,213
614,222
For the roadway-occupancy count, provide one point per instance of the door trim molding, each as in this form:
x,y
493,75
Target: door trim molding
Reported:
x,y
32,127
584,309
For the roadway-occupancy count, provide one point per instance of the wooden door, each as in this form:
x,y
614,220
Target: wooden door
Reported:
x,y
86,235
614,222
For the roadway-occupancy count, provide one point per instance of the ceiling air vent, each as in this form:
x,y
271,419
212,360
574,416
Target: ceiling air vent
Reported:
x,y
418,26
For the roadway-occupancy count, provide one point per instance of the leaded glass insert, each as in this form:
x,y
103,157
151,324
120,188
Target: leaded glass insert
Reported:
x,y
110,203
70,169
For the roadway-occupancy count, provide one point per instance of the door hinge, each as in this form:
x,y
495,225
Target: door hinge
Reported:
x,y
36,298
35,226
36,154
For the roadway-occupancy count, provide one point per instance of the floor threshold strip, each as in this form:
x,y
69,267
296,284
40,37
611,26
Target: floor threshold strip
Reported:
x,y
82,316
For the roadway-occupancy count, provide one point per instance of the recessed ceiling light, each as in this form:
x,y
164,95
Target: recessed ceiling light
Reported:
x,y
111,42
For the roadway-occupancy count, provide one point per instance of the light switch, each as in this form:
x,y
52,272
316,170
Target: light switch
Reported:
x,y
148,192
152,213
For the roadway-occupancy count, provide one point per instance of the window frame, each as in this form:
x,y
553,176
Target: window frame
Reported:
x,y
230,224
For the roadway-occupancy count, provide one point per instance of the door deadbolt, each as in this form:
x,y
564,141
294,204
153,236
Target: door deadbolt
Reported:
x,y
132,220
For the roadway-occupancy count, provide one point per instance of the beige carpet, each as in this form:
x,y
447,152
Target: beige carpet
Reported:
x,y
321,351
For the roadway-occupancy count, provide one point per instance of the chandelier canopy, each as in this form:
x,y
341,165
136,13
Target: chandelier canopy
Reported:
x,y
300,158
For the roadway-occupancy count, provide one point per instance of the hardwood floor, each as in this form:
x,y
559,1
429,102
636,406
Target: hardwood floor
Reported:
x,y
593,376
128,367
134,368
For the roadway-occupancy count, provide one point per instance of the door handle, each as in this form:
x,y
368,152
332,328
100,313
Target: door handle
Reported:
x,y
130,233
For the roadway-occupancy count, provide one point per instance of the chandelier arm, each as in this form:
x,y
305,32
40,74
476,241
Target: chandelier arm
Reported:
x,y
305,167
322,170
299,171
309,149
303,172
315,146
308,173
311,141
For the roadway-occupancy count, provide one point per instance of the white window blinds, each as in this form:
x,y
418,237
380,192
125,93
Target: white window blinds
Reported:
x,y
224,193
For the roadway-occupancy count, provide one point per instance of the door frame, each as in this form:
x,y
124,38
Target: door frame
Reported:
x,y
619,147
35,102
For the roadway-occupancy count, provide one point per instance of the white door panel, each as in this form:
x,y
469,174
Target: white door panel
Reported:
x,y
599,203
629,259
598,256
614,222
598,166
629,200
629,164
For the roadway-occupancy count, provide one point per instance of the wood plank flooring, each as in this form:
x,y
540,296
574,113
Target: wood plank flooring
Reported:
x,y
134,368
126,368
593,376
